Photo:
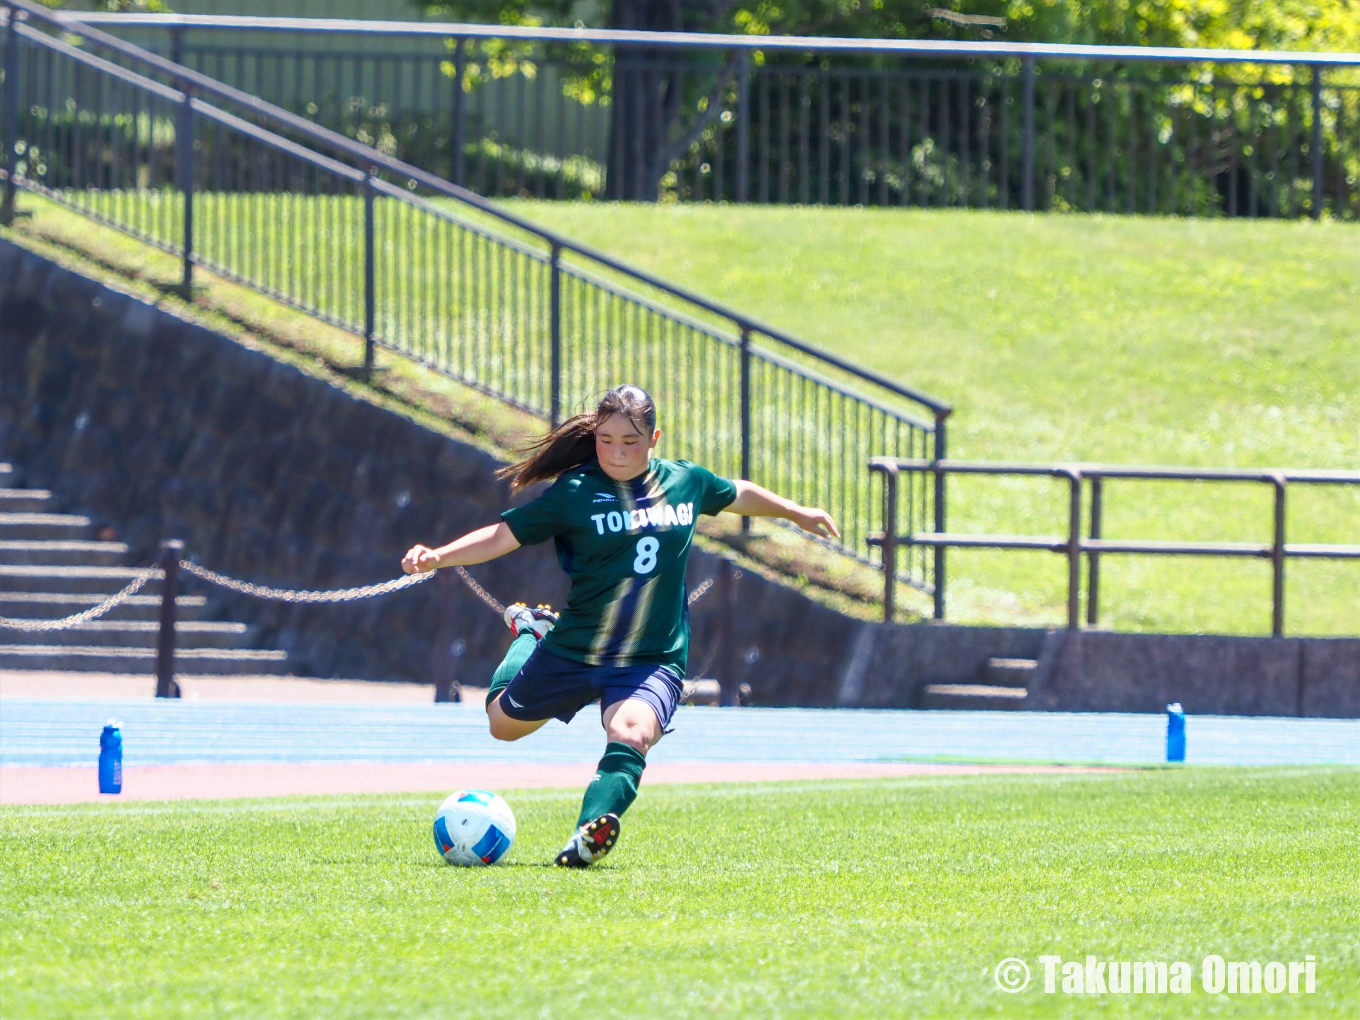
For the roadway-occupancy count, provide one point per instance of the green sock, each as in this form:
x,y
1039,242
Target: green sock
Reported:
x,y
615,784
520,650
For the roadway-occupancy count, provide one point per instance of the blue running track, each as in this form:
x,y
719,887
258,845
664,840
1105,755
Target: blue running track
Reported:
x,y
36,732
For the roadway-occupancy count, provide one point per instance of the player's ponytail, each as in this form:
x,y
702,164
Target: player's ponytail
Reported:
x,y
572,443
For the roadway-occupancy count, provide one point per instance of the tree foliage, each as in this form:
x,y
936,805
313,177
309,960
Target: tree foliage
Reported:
x,y
1329,25
663,107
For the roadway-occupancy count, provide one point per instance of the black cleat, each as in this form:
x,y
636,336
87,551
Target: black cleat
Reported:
x,y
590,842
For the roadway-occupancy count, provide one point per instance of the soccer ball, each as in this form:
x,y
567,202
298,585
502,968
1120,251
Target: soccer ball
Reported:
x,y
473,828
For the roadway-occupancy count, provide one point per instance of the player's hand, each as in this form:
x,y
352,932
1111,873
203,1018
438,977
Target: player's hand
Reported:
x,y
817,521
419,560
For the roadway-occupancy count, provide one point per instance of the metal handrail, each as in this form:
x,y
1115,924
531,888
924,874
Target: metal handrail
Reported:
x,y
718,40
766,372
371,157
1074,545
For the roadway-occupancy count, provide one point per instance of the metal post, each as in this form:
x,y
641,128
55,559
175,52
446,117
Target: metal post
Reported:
x,y
1277,561
172,551
1316,144
1093,576
184,172
456,136
555,332
1027,142
725,654
445,657
889,542
369,273
1074,550
11,112
743,123
746,414
940,449
184,160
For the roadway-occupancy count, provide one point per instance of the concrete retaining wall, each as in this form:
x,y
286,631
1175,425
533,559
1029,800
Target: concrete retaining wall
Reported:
x,y
162,428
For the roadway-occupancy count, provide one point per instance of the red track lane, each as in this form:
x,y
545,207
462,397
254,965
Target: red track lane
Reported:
x,y
76,785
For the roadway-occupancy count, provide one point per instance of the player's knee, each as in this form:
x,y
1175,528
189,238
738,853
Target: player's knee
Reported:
x,y
636,737
502,728
504,732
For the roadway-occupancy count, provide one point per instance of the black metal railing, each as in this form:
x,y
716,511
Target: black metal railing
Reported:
x,y
433,272
556,113
1094,545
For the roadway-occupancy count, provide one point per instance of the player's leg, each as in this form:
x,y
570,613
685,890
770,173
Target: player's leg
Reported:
x,y
631,727
634,721
529,625
503,727
633,724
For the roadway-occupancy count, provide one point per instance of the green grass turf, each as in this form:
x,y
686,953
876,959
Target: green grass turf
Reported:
x,y
882,898
1055,337
1130,340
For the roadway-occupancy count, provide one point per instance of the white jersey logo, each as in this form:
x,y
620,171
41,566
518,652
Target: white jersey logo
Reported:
x,y
663,516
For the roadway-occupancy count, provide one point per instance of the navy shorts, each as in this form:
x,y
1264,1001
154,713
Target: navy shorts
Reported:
x,y
551,687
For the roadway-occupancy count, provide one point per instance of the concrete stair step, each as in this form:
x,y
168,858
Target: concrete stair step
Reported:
x,y
973,696
95,580
63,553
37,525
51,567
137,634
53,605
104,659
25,501
1010,672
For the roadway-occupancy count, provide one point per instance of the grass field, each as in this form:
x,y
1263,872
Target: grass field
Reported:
x,y
1131,340
875,899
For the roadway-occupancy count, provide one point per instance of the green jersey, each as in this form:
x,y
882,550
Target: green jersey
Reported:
x,y
624,545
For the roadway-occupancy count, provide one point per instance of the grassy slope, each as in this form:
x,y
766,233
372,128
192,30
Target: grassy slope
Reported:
x,y
1130,340
890,898
1055,337
1102,338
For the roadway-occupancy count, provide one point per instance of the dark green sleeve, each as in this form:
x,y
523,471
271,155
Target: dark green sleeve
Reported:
x,y
715,493
539,519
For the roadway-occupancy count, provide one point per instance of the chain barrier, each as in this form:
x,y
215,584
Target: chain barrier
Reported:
x,y
699,592
259,591
274,595
480,592
67,622
368,591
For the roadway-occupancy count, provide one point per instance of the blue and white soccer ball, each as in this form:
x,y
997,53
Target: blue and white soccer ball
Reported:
x,y
473,828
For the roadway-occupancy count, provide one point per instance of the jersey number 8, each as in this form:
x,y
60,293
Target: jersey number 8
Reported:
x,y
645,562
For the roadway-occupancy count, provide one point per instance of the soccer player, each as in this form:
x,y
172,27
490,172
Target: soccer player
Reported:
x,y
622,521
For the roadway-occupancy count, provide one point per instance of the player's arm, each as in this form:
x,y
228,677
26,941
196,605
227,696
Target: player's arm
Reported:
x,y
474,547
754,501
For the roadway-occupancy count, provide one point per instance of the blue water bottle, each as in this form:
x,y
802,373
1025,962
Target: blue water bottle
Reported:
x,y
111,759
1175,732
